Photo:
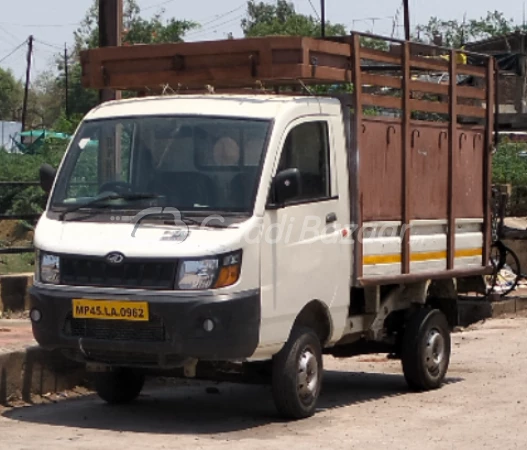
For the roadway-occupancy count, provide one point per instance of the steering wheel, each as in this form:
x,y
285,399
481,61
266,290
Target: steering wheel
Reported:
x,y
119,187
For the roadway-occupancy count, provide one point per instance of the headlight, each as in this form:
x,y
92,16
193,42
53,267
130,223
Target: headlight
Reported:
x,y
209,273
197,274
49,268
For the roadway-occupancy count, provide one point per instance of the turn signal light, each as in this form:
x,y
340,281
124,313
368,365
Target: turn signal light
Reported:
x,y
228,276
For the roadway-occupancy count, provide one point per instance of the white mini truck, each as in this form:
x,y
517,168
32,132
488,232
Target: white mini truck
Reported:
x,y
243,236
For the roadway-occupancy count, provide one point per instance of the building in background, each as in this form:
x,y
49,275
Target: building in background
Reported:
x,y
510,52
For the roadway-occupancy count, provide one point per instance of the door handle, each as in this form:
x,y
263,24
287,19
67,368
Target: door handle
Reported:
x,y
331,217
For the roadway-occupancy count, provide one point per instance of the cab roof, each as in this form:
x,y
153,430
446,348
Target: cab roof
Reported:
x,y
247,106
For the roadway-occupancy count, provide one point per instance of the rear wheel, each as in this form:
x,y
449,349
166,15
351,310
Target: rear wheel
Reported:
x,y
426,349
119,386
297,375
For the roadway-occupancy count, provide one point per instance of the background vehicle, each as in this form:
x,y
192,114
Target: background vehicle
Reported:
x,y
250,233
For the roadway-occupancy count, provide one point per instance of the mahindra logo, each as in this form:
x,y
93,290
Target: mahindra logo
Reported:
x,y
115,258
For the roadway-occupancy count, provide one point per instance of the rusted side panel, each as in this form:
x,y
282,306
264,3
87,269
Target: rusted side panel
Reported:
x,y
429,172
492,94
452,160
407,185
381,170
229,63
469,174
357,142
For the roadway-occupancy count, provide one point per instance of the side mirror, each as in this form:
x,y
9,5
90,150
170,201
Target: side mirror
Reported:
x,y
47,177
287,185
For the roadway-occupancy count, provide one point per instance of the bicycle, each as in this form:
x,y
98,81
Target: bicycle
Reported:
x,y
506,272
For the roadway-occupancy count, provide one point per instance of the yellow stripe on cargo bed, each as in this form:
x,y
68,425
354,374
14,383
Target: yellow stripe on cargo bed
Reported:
x,y
396,258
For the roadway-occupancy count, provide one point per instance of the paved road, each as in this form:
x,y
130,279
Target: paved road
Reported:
x,y
365,404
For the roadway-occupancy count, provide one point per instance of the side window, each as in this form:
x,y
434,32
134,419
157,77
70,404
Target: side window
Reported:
x,y
307,149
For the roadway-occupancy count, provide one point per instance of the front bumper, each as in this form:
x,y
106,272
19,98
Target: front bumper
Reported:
x,y
174,334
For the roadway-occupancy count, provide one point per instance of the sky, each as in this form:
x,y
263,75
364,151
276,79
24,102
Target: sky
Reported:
x,y
52,22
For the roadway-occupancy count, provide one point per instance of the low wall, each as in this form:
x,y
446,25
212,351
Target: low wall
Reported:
x,y
35,371
14,292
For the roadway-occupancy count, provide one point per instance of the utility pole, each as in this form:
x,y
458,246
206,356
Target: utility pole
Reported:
x,y
67,80
110,31
28,79
406,20
323,18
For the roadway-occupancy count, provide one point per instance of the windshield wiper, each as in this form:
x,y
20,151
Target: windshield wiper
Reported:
x,y
95,201
190,221
214,223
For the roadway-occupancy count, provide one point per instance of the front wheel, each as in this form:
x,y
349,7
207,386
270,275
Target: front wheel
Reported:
x,y
426,349
119,386
297,375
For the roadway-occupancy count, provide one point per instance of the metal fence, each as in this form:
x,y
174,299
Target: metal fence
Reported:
x,y
28,217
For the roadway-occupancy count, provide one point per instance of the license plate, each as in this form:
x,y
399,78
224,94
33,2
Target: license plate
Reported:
x,y
110,310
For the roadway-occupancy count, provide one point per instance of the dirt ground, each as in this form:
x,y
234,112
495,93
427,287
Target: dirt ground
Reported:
x,y
365,404
12,233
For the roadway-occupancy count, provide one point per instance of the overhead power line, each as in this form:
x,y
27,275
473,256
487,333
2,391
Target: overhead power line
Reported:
x,y
13,51
219,17
216,17
41,48
314,9
41,25
10,35
47,44
214,28
156,5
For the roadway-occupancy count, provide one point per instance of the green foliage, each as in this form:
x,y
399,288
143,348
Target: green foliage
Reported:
x,y
81,100
265,19
23,263
376,44
136,29
67,125
455,33
17,167
10,95
509,165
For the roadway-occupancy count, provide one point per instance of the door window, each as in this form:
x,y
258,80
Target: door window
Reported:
x,y
307,149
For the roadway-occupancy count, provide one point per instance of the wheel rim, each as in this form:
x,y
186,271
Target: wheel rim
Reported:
x,y
435,352
307,377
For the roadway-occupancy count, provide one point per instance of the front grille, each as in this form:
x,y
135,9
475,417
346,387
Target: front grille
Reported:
x,y
79,271
116,330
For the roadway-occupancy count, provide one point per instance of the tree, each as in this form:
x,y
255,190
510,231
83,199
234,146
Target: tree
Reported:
x,y
46,101
136,29
10,95
265,19
454,33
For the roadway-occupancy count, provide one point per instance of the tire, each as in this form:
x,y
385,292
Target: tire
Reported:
x,y
426,349
120,386
502,256
513,262
297,375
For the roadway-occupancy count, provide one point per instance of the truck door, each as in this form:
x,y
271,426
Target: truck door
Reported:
x,y
302,239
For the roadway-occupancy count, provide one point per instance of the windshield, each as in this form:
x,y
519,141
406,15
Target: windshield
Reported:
x,y
189,163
